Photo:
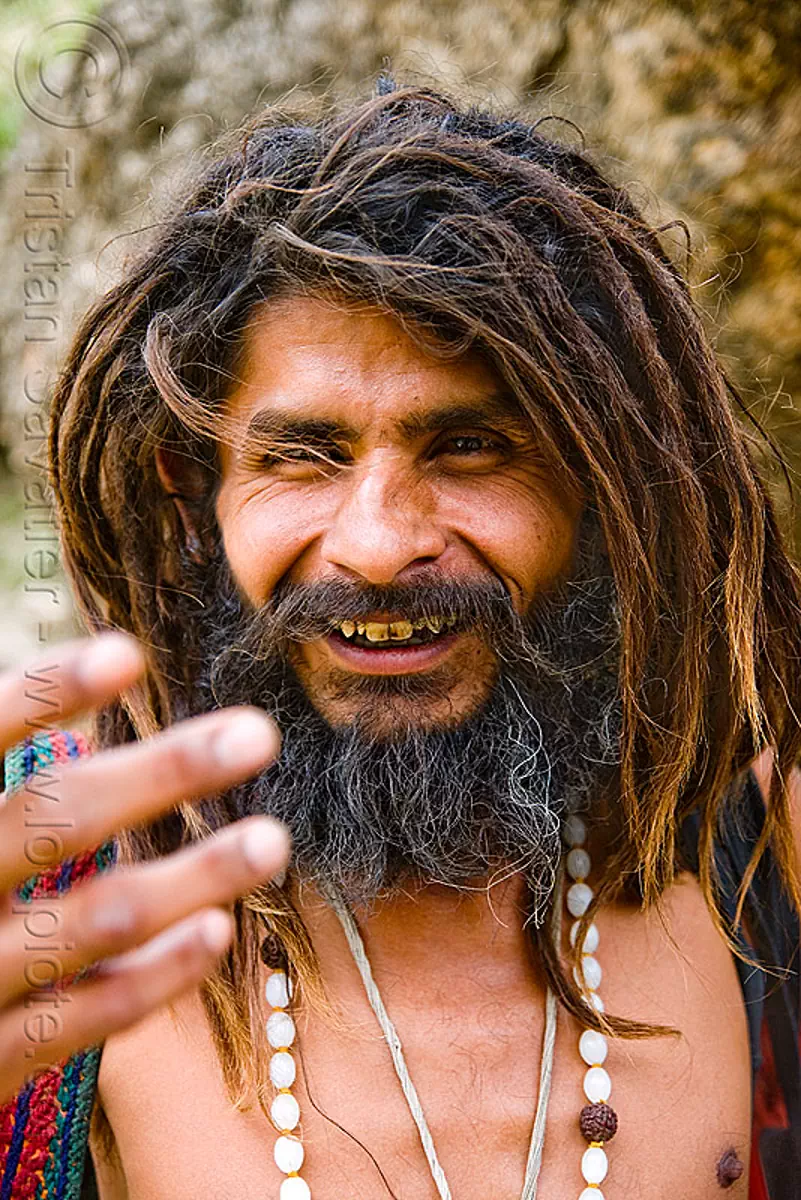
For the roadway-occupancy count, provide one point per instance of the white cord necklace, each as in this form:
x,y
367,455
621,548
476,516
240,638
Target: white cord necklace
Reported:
x,y
357,949
598,1121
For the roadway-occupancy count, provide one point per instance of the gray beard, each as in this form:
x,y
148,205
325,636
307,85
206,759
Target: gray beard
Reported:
x,y
462,806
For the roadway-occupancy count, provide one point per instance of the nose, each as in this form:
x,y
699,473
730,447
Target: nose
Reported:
x,y
385,522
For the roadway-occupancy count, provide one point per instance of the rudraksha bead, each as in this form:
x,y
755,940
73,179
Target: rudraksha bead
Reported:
x,y
272,952
598,1122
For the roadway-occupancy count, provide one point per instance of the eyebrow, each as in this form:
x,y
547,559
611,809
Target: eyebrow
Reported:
x,y
499,409
280,424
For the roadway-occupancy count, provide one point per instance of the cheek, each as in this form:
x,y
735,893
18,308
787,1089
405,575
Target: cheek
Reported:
x,y
264,536
524,531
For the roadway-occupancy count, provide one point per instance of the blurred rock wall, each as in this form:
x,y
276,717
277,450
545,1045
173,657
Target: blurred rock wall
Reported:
x,y
696,105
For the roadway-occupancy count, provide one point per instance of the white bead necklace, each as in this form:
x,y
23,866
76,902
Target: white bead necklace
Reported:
x,y
598,1121
285,1110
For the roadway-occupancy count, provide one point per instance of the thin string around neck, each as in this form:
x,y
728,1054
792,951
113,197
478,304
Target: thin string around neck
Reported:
x,y
534,1161
537,1143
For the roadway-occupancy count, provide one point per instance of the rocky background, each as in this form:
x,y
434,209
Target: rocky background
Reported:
x,y
697,105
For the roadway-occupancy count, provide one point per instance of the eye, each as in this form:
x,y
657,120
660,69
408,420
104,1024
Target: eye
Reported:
x,y
471,452
472,443
295,454
474,450
298,460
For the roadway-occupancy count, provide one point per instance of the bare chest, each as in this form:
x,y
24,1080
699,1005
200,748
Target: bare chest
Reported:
x,y
682,1102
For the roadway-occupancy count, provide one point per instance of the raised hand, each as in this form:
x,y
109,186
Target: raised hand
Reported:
x,y
154,929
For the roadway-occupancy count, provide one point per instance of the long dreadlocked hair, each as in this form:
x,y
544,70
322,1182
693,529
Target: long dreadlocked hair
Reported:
x,y
479,233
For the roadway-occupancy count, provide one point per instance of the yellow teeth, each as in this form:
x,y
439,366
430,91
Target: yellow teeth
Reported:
x,y
396,631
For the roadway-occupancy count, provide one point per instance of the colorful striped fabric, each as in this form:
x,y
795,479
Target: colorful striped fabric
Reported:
x,y
45,1128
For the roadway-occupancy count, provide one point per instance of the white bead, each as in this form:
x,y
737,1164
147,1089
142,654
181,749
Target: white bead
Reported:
x,y
594,1165
592,972
578,899
578,864
282,1069
280,1029
298,1189
597,1087
278,990
285,1111
591,938
593,1193
596,1002
288,1154
593,1047
575,831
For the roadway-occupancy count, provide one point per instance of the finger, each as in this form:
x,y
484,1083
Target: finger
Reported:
x,y
70,678
125,990
51,938
86,801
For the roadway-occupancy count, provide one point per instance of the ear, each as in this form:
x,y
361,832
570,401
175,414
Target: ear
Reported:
x,y
186,483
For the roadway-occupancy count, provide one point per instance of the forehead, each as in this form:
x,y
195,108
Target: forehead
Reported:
x,y
318,357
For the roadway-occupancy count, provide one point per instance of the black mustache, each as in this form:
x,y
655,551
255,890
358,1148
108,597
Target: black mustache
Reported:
x,y
302,612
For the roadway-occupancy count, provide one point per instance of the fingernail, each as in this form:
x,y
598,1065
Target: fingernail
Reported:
x,y
245,742
215,931
260,847
107,659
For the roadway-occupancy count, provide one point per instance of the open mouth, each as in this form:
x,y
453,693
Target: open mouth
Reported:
x,y
394,635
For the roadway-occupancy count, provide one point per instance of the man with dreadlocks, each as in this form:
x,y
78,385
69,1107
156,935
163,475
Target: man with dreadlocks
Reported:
x,y
404,438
